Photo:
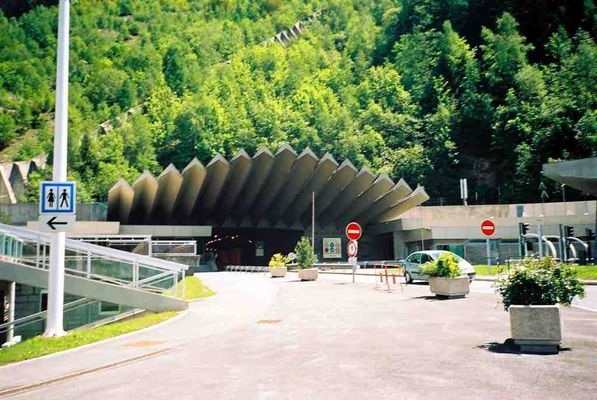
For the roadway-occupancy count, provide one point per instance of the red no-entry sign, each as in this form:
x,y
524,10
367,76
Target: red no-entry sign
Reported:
x,y
354,231
487,227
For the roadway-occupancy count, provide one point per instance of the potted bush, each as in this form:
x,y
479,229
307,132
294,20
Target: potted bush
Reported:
x,y
277,265
445,278
532,293
305,260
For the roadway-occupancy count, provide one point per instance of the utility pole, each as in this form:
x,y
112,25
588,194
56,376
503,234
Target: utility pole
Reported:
x,y
562,243
563,186
540,237
422,228
313,221
55,326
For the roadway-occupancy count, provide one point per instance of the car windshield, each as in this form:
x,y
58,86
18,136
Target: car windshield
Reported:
x,y
436,254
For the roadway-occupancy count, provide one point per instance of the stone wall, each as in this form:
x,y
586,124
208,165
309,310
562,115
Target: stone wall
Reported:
x,y
21,213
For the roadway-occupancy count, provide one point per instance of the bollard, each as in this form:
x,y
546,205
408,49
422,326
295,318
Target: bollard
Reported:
x,y
394,279
387,278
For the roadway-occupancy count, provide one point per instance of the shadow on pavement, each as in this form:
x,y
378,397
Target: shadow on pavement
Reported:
x,y
437,298
509,347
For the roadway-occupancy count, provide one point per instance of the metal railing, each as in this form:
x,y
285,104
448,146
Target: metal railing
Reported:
x,y
42,315
173,247
246,268
99,263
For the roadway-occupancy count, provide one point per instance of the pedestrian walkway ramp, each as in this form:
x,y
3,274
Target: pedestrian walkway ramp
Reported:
x,y
92,271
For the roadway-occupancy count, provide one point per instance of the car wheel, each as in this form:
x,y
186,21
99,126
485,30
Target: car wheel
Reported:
x,y
408,278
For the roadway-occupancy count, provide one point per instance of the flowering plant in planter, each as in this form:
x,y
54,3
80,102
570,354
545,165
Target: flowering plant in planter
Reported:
x,y
532,293
305,260
539,282
277,265
278,260
446,266
445,277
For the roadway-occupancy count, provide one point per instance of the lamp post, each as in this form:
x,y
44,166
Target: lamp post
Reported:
x,y
55,326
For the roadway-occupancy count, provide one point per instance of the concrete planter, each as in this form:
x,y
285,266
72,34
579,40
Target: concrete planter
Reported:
x,y
536,329
278,272
309,274
449,287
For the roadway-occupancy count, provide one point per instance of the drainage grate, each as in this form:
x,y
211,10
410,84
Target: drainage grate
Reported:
x,y
269,321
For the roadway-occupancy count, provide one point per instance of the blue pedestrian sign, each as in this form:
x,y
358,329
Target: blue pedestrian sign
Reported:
x,y
57,198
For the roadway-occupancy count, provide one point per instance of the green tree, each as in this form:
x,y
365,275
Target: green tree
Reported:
x,y
504,54
7,129
304,253
174,71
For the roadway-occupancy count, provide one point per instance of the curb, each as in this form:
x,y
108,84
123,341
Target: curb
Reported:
x,y
33,386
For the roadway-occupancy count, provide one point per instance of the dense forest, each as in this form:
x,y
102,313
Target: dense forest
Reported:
x,y
428,90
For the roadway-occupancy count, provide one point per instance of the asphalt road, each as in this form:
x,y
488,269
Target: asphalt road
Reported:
x,y
333,340
590,300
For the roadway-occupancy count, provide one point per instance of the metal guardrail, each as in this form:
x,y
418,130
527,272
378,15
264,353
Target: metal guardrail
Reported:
x,y
41,316
246,268
143,244
173,247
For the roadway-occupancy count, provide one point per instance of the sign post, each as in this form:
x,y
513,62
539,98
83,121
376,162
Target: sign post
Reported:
x,y
464,191
488,229
353,233
54,326
352,249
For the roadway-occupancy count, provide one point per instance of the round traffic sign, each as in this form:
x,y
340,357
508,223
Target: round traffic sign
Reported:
x,y
488,227
352,248
354,231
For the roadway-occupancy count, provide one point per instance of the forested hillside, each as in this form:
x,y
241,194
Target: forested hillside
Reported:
x,y
430,90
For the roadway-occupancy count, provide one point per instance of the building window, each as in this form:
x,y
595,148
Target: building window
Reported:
x,y
106,308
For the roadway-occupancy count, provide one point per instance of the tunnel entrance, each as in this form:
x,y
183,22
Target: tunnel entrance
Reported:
x,y
249,246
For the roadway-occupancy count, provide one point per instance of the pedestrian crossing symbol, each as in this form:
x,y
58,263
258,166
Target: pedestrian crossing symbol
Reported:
x,y
57,198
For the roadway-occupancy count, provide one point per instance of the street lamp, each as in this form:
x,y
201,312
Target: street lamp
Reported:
x,y
55,326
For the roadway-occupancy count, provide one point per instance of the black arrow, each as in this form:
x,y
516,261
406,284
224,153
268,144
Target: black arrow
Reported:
x,y
52,222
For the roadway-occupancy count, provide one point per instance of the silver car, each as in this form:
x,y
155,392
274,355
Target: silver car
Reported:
x,y
414,262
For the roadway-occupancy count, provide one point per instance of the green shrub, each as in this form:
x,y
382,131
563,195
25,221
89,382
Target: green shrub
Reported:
x,y
304,253
539,282
446,266
278,261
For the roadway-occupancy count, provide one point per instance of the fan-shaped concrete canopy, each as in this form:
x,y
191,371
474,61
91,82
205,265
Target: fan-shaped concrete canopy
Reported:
x,y
579,174
267,190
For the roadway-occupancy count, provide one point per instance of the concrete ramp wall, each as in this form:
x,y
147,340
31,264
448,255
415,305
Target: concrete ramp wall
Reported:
x,y
92,289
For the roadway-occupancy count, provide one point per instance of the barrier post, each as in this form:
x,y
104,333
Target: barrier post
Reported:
x,y
387,279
